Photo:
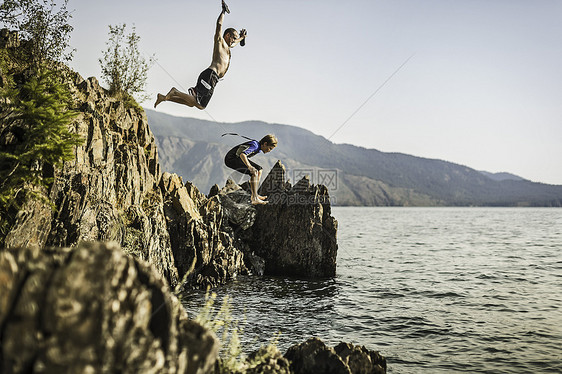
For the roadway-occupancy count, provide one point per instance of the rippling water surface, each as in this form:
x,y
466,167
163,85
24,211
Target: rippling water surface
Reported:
x,y
435,290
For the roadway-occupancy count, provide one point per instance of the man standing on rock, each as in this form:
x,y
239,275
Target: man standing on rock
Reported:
x,y
237,159
200,95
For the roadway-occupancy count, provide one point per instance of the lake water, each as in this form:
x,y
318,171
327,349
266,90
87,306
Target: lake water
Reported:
x,y
435,290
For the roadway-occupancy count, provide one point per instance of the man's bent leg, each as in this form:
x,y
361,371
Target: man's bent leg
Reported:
x,y
179,97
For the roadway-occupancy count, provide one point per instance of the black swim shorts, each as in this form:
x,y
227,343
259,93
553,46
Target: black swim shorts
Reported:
x,y
205,86
236,163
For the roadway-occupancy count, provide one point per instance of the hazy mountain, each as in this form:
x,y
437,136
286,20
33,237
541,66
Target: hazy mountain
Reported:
x,y
195,150
503,176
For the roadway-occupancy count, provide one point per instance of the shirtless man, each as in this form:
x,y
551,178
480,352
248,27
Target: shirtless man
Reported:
x,y
200,95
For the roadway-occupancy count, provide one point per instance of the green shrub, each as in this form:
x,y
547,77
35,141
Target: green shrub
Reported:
x,y
123,67
34,131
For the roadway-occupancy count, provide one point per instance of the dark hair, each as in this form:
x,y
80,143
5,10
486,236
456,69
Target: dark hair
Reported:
x,y
230,30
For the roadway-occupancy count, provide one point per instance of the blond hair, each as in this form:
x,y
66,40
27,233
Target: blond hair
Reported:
x,y
269,139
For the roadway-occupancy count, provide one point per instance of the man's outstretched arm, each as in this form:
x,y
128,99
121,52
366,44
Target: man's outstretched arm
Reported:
x,y
218,31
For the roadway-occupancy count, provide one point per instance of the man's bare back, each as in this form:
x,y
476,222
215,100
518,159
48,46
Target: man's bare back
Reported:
x,y
200,95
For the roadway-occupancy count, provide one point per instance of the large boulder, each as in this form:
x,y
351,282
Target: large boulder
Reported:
x,y
94,309
295,233
313,356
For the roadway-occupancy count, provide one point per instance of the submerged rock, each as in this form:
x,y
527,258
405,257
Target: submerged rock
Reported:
x,y
94,309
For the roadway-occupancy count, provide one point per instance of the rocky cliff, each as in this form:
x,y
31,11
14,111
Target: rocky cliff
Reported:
x,y
114,191
85,287
223,234
109,192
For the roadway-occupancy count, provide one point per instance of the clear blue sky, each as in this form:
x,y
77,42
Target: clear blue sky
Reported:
x,y
483,89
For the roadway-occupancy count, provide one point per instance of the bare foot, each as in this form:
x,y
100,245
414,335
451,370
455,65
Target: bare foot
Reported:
x,y
259,202
262,197
159,99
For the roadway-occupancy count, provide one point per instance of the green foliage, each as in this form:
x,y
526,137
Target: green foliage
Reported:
x,y
123,67
226,328
36,138
43,24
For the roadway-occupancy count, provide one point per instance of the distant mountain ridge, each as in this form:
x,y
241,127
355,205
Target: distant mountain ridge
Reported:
x,y
502,176
356,176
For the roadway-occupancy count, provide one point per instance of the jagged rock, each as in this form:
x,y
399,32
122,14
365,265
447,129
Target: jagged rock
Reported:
x,y
361,360
313,356
194,192
33,227
203,251
176,193
230,186
109,191
214,190
94,309
241,214
295,233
